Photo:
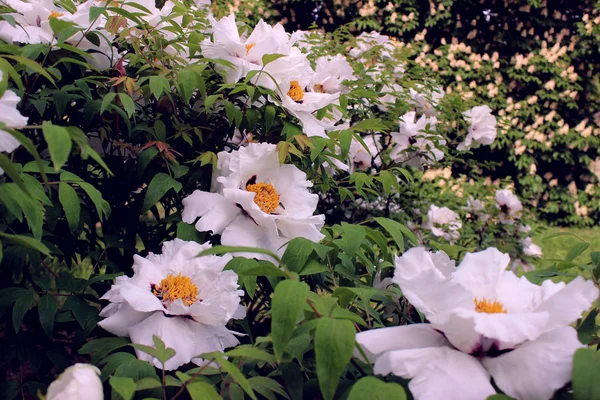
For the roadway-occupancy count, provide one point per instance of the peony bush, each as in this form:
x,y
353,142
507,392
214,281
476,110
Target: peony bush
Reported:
x,y
196,207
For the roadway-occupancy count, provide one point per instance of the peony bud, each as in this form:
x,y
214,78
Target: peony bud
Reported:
x,y
78,382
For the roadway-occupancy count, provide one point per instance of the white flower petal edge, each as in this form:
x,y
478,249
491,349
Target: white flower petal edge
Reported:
x,y
183,299
79,381
535,370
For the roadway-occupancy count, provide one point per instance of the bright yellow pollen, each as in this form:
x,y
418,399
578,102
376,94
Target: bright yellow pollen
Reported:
x,y
249,47
55,14
489,307
295,92
319,88
175,287
266,196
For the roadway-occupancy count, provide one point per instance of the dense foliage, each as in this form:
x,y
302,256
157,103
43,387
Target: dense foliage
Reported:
x,y
202,208
536,62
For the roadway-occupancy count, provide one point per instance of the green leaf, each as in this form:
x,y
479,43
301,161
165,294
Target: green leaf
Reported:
x,y
374,124
287,304
297,253
393,228
269,117
253,353
158,84
47,310
268,58
112,362
352,238
11,171
187,83
101,347
237,376
586,374
372,388
136,369
576,250
160,184
70,203
267,386
128,104
26,241
125,387
102,206
24,301
147,383
202,391
334,343
59,143
220,250
586,331
107,101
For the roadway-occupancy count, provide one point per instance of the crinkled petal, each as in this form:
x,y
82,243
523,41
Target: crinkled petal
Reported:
x,y
535,370
214,210
119,317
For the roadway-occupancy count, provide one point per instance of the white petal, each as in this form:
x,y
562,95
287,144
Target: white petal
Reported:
x,y
140,299
377,341
211,338
438,373
175,332
244,232
424,285
569,304
480,272
214,210
119,320
535,370
8,143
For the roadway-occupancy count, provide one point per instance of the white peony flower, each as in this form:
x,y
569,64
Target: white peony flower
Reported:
x,y
443,222
246,53
256,202
509,205
485,322
426,100
183,299
33,21
414,144
531,249
329,74
11,118
368,40
362,158
482,127
390,94
476,208
78,382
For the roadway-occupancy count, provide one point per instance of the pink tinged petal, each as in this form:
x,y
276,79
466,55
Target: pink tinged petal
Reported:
x,y
215,212
480,272
535,370
140,299
120,317
425,285
175,332
569,304
438,373
378,341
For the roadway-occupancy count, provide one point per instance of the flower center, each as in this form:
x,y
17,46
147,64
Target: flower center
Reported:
x,y
249,47
175,287
489,307
296,92
55,14
266,197
319,88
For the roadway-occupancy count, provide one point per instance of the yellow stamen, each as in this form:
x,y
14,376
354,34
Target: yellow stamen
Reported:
x,y
249,47
55,14
319,88
489,307
295,92
175,287
266,196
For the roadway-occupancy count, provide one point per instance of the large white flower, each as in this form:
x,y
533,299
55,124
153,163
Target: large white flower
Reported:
x,y
509,205
183,299
443,222
246,53
329,74
78,382
485,321
11,118
415,144
426,100
255,201
482,127
33,21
